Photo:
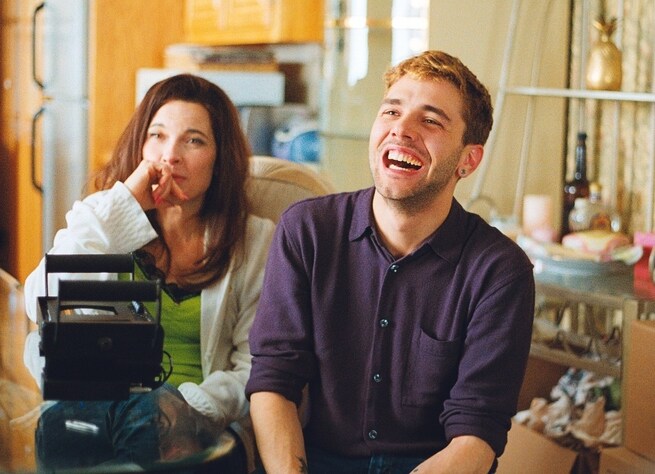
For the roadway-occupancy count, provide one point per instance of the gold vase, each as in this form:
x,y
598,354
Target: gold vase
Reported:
x,y
604,63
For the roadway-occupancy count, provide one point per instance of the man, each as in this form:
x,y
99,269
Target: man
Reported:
x,y
408,317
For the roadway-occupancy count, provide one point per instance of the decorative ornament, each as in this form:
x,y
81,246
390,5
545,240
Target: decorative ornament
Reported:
x,y
604,63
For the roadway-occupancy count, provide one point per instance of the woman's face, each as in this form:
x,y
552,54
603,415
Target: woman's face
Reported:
x,y
180,135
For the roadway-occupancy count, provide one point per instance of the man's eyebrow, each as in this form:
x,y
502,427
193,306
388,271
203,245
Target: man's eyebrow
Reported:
x,y
429,108
440,112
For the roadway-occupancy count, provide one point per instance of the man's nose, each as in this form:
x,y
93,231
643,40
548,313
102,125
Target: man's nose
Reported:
x,y
403,128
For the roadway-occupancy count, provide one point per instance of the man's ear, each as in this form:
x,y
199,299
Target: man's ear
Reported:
x,y
471,159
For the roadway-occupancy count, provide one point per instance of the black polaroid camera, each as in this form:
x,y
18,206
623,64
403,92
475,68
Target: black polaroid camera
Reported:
x,y
98,339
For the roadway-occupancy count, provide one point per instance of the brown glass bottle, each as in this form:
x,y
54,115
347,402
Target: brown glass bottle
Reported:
x,y
578,187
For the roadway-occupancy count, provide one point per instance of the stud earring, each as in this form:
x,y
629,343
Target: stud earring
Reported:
x,y
462,172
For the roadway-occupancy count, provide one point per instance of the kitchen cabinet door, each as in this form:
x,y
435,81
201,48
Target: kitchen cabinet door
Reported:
x,y
124,35
239,22
20,210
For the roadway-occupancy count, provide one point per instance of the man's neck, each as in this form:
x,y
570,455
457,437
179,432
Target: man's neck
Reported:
x,y
402,231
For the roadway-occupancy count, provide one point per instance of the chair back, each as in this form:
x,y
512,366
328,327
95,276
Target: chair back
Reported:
x,y
275,184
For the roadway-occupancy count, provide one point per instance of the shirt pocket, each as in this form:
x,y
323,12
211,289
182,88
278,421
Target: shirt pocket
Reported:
x,y
431,371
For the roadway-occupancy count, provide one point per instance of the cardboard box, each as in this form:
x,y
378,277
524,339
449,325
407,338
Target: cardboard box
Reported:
x,y
540,377
638,388
621,461
529,451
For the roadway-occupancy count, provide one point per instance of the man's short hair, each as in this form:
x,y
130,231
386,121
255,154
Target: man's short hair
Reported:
x,y
436,65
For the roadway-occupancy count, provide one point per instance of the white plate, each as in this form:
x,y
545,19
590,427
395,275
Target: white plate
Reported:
x,y
555,259
579,267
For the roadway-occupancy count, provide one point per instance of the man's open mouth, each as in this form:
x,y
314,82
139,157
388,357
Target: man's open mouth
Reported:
x,y
398,160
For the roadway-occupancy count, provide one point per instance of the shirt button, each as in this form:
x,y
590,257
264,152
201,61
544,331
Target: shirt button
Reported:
x,y
372,434
384,323
394,268
377,378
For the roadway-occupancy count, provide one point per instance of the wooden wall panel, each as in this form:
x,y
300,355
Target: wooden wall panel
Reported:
x,y
124,35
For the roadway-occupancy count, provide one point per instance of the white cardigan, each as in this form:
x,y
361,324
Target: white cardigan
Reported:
x,y
112,221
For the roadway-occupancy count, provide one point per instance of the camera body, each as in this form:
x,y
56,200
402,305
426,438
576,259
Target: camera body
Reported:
x,y
97,337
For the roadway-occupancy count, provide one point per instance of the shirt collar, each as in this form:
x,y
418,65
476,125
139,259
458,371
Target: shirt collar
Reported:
x,y
447,241
362,220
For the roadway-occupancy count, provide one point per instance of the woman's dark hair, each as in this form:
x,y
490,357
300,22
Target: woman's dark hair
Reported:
x,y
225,209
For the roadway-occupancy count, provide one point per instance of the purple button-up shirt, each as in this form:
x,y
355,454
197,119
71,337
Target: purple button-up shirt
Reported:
x,y
400,355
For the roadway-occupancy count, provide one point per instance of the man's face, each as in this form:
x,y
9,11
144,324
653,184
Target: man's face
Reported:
x,y
415,145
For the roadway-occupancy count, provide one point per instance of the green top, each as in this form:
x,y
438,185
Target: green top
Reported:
x,y
180,318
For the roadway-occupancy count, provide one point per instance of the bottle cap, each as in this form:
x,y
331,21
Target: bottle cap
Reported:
x,y
582,136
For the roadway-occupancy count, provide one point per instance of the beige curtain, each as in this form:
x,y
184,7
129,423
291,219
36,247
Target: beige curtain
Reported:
x,y
621,133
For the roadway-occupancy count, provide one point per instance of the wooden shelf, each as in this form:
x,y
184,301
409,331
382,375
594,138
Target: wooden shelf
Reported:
x,y
618,96
571,360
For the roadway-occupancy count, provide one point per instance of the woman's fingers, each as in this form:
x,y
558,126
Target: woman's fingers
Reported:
x,y
153,185
177,191
167,191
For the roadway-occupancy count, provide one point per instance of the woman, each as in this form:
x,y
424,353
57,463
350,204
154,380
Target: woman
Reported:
x,y
174,193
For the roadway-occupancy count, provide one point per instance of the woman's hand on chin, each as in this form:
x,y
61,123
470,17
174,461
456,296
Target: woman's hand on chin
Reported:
x,y
152,185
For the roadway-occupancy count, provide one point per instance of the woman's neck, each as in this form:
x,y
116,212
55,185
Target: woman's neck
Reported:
x,y
178,222
184,235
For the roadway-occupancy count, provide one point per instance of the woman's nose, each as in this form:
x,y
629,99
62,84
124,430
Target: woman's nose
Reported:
x,y
171,154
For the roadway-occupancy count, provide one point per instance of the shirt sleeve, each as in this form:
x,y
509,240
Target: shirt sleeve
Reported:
x,y
494,359
281,337
105,222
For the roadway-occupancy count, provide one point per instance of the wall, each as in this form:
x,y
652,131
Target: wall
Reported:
x,y
476,32
361,42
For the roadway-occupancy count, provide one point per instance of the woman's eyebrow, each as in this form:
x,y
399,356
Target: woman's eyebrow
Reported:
x,y
195,130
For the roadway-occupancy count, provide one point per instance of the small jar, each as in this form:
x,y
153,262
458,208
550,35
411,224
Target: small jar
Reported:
x,y
592,214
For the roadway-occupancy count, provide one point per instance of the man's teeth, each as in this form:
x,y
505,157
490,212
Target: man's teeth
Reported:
x,y
402,161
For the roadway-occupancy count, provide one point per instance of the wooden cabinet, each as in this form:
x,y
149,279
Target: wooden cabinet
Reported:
x,y
19,100
124,35
234,22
